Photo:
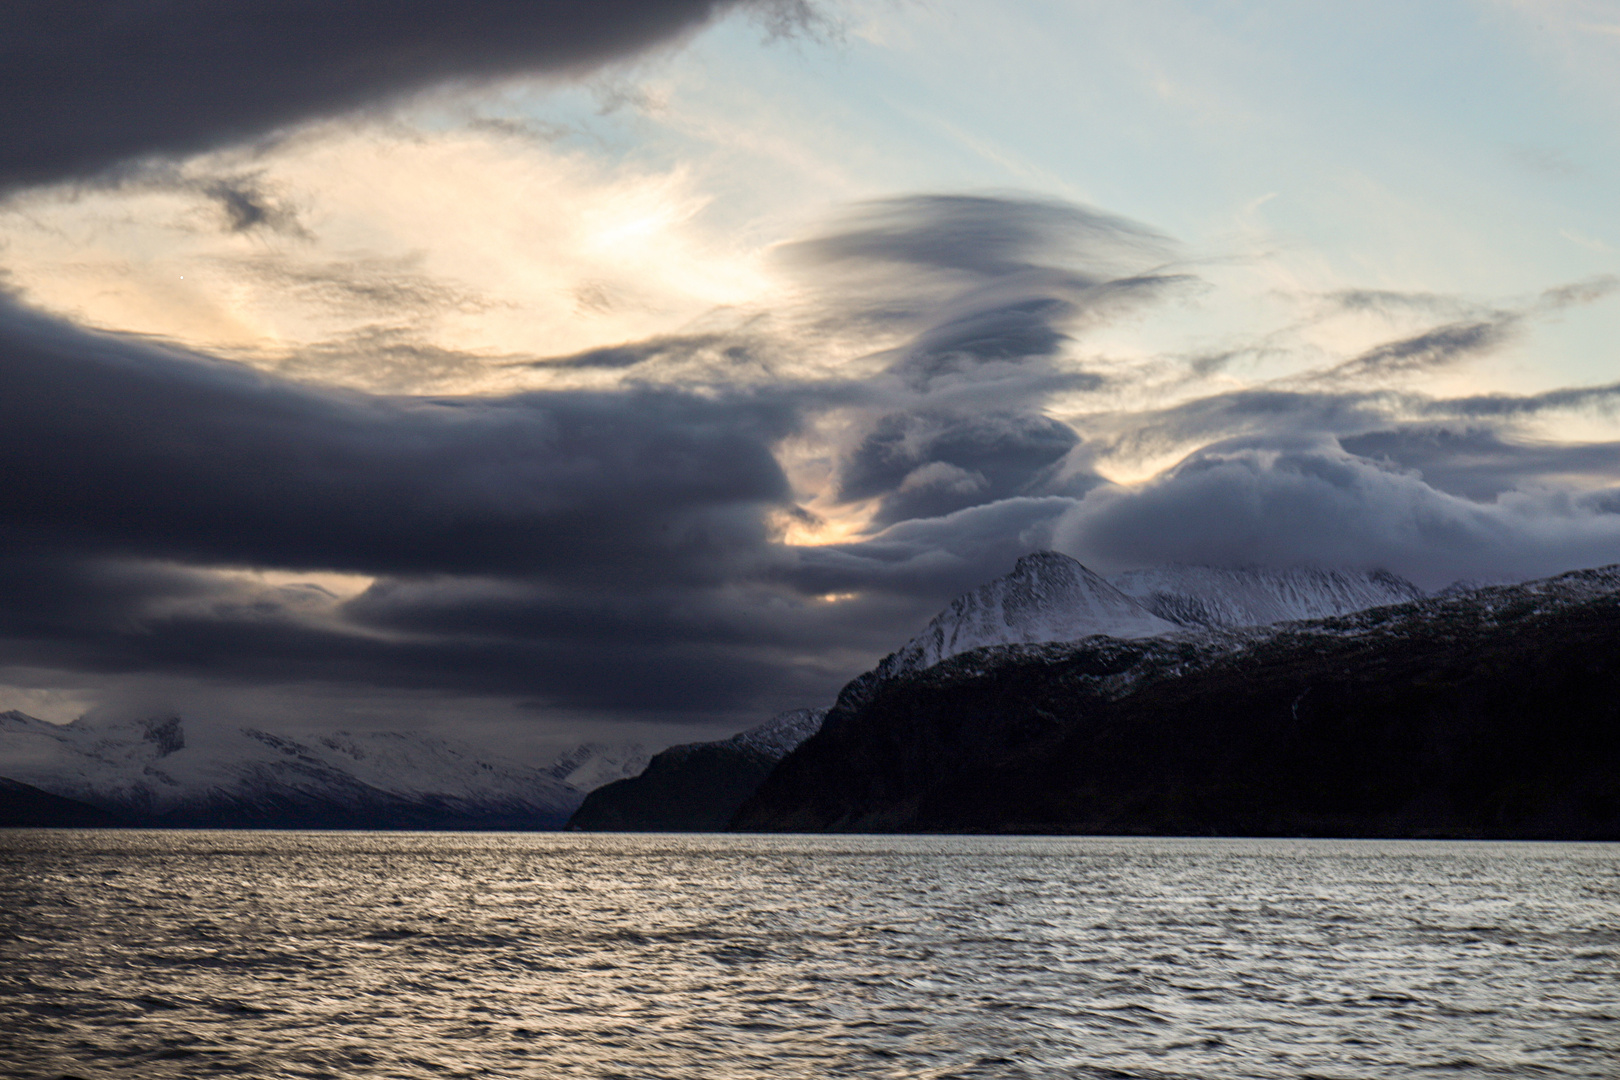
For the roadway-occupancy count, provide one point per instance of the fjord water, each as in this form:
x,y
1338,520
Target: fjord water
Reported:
x,y
200,954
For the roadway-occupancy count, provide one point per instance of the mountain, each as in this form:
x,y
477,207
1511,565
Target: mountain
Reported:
x,y
696,787
163,771
590,765
22,806
1486,713
1214,597
1047,597
1051,597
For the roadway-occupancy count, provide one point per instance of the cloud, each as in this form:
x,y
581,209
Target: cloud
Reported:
x,y
85,84
120,446
1431,349
1508,405
1452,342
1480,463
930,558
1393,301
984,296
981,236
928,465
618,552
140,478
606,552
1291,502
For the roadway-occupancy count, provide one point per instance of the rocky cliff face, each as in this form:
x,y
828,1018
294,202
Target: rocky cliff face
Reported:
x,y
1489,713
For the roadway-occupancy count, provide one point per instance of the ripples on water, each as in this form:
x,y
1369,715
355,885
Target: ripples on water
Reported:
x,y
196,954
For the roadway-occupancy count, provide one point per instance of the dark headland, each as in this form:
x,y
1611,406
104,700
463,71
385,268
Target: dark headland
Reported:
x,y
1492,713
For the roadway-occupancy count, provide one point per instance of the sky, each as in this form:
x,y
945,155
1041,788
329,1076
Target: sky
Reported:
x,y
636,369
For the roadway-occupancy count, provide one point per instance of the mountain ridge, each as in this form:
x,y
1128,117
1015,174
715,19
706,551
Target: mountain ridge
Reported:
x,y
164,771
1472,714
696,787
1051,597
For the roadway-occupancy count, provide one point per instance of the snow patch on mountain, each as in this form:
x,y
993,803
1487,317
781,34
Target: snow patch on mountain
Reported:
x,y
781,734
593,764
1215,597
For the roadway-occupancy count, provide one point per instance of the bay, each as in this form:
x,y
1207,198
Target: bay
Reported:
x,y
201,954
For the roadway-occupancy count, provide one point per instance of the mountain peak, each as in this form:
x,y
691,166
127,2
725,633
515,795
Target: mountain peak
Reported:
x,y
1047,597
1037,561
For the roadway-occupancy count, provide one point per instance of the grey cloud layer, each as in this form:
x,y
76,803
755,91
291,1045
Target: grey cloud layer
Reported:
x,y
85,84
124,447
131,470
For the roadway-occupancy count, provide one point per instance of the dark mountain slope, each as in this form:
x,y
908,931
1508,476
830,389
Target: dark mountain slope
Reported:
x,y
23,806
696,787
1490,714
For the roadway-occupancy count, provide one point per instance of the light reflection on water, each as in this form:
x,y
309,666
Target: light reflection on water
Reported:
x,y
200,954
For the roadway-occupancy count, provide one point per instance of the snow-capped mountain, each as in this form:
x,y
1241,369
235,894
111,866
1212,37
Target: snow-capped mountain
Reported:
x,y
1486,713
171,771
1047,597
1050,597
1215,597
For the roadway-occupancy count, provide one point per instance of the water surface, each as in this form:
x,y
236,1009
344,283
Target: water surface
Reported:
x,y
203,954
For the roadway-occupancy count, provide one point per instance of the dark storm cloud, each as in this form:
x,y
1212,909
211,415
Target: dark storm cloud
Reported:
x,y
924,465
110,445
625,527
658,652
671,679
85,84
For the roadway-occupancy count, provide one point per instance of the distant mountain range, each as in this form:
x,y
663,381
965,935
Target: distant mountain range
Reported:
x,y
169,772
